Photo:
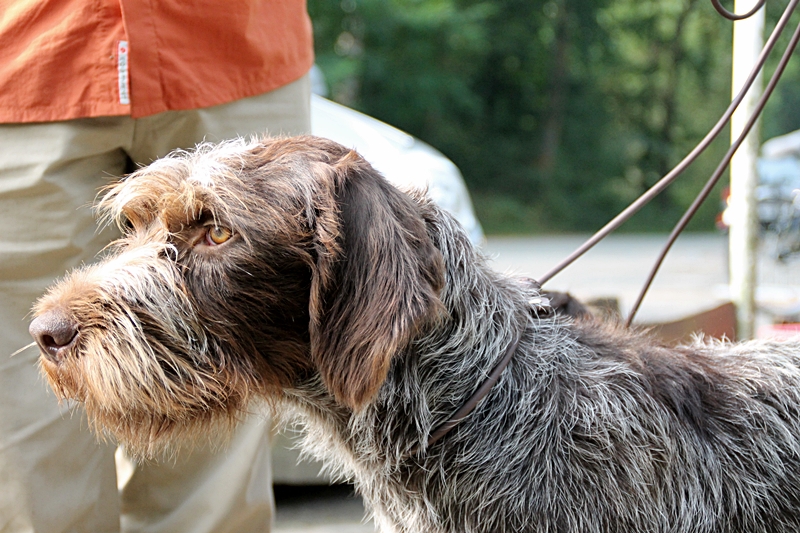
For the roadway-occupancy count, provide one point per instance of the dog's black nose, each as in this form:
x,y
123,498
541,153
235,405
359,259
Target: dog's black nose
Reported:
x,y
54,332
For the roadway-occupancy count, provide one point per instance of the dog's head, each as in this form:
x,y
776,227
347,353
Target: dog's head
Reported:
x,y
243,268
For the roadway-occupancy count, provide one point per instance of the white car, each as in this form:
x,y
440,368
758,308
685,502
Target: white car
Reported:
x,y
402,159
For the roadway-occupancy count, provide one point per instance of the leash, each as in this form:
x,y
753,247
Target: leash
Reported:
x,y
668,179
476,397
471,403
541,307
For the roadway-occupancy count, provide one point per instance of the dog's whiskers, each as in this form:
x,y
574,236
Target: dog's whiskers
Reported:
x,y
27,346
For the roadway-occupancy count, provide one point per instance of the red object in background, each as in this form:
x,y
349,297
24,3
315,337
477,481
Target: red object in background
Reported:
x,y
779,331
720,221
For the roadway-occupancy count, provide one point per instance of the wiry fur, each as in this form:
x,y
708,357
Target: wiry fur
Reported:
x,y
368,313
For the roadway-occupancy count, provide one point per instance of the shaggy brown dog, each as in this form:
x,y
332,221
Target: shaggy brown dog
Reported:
x,y
289,270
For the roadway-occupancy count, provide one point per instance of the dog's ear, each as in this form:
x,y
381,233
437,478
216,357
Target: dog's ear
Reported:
x,y
376,282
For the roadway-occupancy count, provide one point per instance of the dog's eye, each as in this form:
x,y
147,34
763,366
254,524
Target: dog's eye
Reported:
x,y
217,235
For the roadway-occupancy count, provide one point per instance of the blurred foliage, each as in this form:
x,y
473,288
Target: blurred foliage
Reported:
x,y
782,113
558,113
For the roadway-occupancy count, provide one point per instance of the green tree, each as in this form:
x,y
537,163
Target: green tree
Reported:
x,y
558,113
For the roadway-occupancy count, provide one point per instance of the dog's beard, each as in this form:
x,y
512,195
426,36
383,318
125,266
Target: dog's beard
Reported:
x,y
152,402
142,364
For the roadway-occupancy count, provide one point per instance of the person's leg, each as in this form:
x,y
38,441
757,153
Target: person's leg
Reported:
x,y
228,491
203,491
54,475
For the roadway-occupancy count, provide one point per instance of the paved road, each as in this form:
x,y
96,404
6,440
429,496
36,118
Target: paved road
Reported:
x,y
693,279
319,510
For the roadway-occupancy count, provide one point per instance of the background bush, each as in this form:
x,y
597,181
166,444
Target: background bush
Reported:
x,y
558,113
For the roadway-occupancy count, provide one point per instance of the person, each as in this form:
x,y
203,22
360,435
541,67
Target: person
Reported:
x,y
89,91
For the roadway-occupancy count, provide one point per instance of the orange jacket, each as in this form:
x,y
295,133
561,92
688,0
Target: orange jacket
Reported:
x,y
65,59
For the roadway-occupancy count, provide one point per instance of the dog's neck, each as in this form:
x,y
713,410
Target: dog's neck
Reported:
x,y
429,380
434,376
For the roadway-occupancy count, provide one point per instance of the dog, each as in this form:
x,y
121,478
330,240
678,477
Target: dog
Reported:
x,y
287,270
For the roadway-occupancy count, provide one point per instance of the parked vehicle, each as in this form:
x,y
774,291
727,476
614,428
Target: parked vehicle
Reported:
x,y
401,158
777,196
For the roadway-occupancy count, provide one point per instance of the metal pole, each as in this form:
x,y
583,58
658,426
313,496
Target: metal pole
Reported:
x,y
748,40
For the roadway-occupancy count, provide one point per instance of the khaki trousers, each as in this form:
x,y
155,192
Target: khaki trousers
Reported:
x,y
54,475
